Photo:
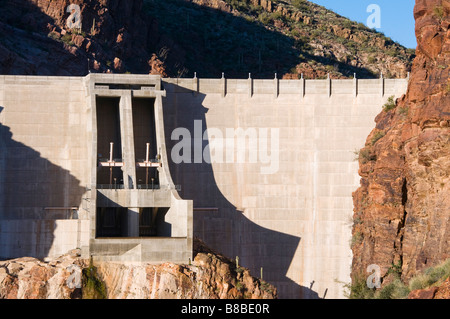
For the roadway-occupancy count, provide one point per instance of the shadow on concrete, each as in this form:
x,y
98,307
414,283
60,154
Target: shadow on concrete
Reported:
x,y
111,219
219,223
33,193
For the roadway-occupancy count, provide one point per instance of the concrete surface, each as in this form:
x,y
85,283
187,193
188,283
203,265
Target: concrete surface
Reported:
x,y
287,210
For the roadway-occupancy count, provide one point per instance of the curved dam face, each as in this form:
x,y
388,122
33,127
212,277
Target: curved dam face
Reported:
x,y
270,167
132,167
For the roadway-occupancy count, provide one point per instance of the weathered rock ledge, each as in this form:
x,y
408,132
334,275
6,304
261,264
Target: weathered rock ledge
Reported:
x,y
210,276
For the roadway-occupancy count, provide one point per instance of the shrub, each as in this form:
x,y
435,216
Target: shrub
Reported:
x,y
392,52
439,12
53,35
300,4
397,289
372,59
276,16
79,32
357,238
394,290
365,155
265,286
390,104
347,24
265,18
378,135
92,286
67,39
431,276
358,288
403,111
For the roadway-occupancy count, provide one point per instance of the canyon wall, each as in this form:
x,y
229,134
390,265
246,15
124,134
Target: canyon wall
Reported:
x,y
401,214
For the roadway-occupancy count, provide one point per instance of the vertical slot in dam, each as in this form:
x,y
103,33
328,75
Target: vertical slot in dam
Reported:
x,y
108,131
144,132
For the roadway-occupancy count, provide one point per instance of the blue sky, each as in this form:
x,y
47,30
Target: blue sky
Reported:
x,y
396,16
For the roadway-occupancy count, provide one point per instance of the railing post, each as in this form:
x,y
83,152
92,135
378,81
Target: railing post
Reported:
x,y
355,85
195,84
250,85
329,85
224,85
276,86
302,86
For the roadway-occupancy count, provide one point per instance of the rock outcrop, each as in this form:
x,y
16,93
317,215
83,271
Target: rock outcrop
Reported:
x,y
324,37
30,278
210,276
437,292
402,208
177,38
112,36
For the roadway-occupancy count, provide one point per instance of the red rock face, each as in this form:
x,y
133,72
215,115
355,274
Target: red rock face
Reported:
x,y
114,37
402,209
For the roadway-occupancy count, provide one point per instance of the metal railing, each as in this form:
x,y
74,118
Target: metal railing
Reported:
x,y
152,160
140,186
110,186
148,186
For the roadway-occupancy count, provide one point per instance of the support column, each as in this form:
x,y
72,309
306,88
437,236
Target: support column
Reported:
x,y
133,222
126,131
160,142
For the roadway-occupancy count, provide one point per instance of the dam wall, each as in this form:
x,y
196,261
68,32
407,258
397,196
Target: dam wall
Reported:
x,y
280,196
44,152
268,164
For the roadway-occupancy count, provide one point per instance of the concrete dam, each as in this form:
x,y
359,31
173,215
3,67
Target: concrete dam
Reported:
x,y
133,167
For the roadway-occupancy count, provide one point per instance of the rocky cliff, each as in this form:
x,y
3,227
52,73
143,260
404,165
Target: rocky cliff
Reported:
x,y
402,208
210,276
179,37
49,38
261,37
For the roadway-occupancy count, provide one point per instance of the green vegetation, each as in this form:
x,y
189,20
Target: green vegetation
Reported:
x,y
252,39
357,239
377,136
396,289
358,288
79,32
265,286
67,39
439,12
92,286
390,104
366,155
431,276
403,111
53,35
300,5
372,59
